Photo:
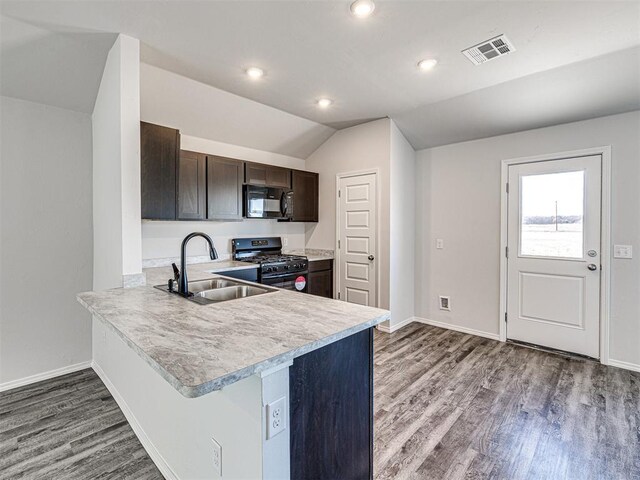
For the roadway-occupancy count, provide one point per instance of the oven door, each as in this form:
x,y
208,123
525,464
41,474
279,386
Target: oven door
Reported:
x,y
265,202
296,281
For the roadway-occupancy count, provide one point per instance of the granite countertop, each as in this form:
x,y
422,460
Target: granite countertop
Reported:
x,y
202,348
313,254
195,271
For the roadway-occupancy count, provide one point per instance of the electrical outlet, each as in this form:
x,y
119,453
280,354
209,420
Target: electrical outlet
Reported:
x,y
445,303
276,417
285,241
217,457
439,243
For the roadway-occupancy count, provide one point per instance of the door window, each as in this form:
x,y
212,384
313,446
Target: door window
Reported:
x,y
552,215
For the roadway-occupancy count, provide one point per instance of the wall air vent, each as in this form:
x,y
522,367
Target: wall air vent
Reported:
x,y
489,49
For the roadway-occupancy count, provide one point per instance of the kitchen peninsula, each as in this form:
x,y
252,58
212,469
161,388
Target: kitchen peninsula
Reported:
x,y
278,385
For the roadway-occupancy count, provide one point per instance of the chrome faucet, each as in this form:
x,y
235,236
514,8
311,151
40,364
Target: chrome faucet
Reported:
x,y
183,284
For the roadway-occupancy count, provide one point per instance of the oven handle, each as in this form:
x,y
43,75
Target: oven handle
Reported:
x,y
293,276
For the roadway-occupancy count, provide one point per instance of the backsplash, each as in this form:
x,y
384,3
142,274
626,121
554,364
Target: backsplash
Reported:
x,y
162,240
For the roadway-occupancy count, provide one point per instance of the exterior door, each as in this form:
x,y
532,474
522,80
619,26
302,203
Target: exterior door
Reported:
x,y
356,269
553,266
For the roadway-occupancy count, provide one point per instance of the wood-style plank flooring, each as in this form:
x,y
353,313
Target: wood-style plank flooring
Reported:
x,y
69,427
447,406
456,406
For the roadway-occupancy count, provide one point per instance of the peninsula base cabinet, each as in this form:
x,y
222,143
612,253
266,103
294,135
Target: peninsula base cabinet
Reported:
x,y
329,392
331,411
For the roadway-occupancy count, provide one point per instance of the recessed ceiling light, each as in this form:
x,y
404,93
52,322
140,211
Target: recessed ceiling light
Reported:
x,y
255,72
362,8
428,64
324,102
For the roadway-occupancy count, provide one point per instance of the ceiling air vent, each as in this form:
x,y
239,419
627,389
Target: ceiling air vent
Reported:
x,y
488,50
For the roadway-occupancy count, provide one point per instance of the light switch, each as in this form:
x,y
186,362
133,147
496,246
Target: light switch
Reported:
x,y
622,251
439,243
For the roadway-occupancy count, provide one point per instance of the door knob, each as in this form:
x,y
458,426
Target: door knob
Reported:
x,y
592,266
371,258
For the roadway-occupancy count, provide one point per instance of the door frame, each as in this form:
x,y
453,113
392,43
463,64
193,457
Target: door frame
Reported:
x,y
337,279
605,236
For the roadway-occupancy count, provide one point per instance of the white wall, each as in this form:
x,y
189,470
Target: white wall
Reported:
x,y
358,148
46,235
459,201
203,111
116,167
402,227
163,239
195,114
176,430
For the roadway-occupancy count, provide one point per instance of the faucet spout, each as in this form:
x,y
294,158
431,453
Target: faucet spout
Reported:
x,y
183,283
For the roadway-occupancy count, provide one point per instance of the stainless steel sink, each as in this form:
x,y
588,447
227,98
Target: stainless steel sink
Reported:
x,y
203,285
231,293
216,290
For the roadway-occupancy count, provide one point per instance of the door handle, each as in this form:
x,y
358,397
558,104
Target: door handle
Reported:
x,y
592,267
371,258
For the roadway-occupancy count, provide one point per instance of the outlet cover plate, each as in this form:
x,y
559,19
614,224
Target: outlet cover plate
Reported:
x,y
216,457
276,417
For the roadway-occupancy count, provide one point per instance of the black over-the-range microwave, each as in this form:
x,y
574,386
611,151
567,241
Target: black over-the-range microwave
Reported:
x,y
267,202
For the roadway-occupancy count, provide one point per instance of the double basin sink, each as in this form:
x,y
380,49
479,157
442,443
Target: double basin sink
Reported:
x,y
216,290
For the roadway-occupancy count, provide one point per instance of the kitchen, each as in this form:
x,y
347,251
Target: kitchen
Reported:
x,y
276,239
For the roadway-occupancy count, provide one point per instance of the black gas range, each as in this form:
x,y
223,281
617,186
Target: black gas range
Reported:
x,y
276,269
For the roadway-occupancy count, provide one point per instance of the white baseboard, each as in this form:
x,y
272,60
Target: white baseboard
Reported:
x,y
396,326
626,365
458,328
150,448
21,382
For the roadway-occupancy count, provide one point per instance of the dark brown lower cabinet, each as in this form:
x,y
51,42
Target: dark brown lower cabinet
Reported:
x,y
321,278
331,411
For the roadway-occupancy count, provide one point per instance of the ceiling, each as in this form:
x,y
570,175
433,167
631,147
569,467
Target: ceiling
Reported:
x,y
568,54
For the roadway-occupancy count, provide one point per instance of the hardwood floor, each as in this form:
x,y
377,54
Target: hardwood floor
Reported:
x,y
456,406
448,406
68,428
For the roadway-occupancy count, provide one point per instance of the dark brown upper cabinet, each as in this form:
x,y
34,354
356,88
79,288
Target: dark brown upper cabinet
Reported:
x,y
267,175
192,186
224,188
305,191
159,152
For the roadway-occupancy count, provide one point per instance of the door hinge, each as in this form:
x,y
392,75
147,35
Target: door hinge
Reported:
x,y
338,295
507,187
339,193
506,252
505,317
338,244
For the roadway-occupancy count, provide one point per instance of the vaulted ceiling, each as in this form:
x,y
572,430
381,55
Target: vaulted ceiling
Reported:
x,y
573,59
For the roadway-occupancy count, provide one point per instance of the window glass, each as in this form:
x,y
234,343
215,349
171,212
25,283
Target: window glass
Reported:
x,y
552,214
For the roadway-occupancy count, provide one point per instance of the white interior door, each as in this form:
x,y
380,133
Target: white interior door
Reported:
x,y
357,271
553,266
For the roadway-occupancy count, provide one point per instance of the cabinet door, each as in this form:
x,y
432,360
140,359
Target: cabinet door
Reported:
x,y
159,150
305,199
278,177
267,175
224,188
321,283
192,184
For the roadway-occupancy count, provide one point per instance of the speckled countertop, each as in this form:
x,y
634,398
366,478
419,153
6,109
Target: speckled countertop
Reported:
x,y
313,254
202,348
